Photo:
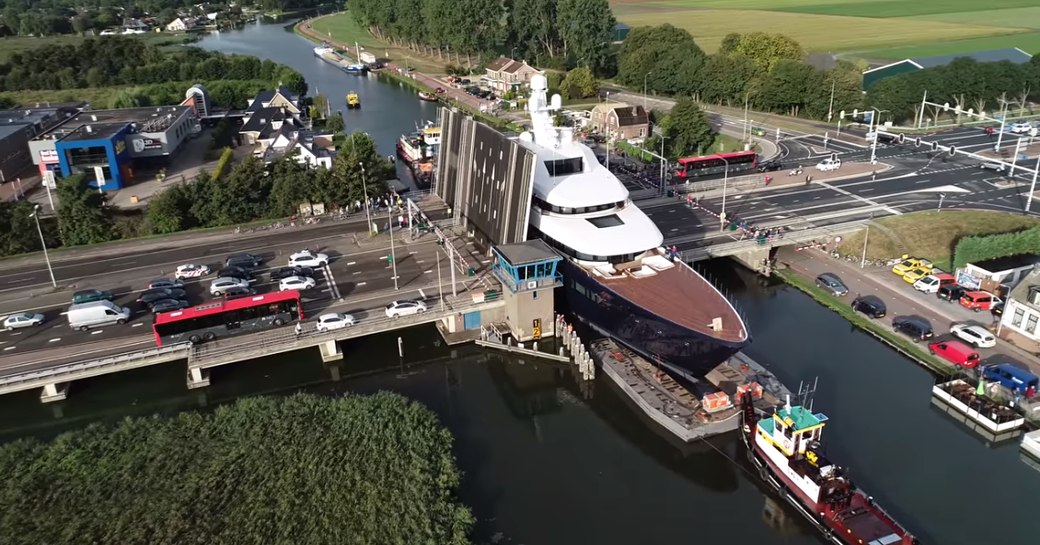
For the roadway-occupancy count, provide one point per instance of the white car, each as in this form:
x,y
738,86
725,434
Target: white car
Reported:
x,y
308,258
974,334
191,270
335,320
828,165
296,283
996,167
404,308
1021,128
224,283
23,319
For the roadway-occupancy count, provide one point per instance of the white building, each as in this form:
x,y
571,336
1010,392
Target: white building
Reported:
x,y
1022,310
314,150
180,24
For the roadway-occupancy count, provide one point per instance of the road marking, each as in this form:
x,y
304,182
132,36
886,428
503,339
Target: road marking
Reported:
x,y
54,340
382,257
16,333
428,272
420,261
412,253
8,348
352,263
359,284
98,332
17,280
331,280
356,272
136,325
394,277
888,209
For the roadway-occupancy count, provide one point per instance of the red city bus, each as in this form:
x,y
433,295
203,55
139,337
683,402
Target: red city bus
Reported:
x,y
706,165
229,317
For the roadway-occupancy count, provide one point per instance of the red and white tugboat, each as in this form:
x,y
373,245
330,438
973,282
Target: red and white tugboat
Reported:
x,y
786,449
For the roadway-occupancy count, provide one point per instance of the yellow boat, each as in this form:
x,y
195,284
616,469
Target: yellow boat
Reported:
x,y
353,102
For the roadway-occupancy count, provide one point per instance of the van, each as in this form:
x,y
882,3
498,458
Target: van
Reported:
x,y
979,300
932,282
98,313
955,352
1011,377
951,293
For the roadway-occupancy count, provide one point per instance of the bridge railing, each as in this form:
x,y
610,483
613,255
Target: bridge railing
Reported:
x,y
58,373
790,238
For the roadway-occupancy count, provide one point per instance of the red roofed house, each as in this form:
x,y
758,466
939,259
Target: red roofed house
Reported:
x,y
505,74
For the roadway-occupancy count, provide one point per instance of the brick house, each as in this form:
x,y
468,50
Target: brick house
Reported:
x,y
505,74
620,121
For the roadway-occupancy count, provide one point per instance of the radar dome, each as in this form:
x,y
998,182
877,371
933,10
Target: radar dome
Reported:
x,y
539,83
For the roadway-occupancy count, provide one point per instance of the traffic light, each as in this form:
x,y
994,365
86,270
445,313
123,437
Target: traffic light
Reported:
x,y
952,151
935,146
917,142
902,137
834,157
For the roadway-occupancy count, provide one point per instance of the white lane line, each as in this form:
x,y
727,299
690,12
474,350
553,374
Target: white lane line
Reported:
x,y
98,332
136,325
888,209
356,272
54,340
359,284
412,253
352,263
8,348
382,257
331,280
16,333
420,261
428,272
17,280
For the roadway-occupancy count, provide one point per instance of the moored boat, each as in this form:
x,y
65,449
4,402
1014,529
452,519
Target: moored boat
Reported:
x,y
785,447
412,149
428,97
353,101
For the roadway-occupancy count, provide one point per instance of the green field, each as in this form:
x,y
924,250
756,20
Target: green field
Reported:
x,y
16,44
883,29
342,28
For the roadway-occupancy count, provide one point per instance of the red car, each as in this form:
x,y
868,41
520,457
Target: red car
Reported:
x,y
955,352
440,90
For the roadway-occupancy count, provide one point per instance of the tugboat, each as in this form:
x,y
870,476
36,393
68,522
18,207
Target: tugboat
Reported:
x,y
353,101
412,149
786,450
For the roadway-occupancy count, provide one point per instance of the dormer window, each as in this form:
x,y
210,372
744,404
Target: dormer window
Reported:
x,y
1034,295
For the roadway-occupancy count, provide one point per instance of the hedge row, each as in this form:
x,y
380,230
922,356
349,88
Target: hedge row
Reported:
x,y
980,248
225,160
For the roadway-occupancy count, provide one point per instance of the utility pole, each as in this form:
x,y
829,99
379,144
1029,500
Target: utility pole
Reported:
x,y
440,292
866,237
920,114
941,197
644,92
747,128
1014,160
1003,118
43,243
364,186
393,258
1032,186
830,107
725,180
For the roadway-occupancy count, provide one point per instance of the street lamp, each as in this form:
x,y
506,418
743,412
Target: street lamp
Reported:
x,y
874,120
43,243
725,180
644,90
364,186
393,257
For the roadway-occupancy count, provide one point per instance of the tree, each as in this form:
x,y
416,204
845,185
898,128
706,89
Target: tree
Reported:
x,y
586,27
687,129
292,184
82,23
789,87
17,229
242,194
765,50
82,215
335,123
169,211
732,78
532,24
580,83
665,56
349,181
729,44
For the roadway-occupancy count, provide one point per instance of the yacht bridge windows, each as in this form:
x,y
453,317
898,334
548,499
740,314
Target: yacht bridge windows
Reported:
x,y
542,204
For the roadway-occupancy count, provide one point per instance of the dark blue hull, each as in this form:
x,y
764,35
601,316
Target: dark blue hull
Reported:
x,y
684,351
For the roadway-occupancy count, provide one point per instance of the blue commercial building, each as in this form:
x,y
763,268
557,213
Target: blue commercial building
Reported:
x,y
100,151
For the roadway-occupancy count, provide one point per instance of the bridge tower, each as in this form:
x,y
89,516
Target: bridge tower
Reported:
x,y
529,274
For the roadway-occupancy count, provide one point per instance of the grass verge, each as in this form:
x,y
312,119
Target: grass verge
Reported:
x,y
901,344
931,235
342,28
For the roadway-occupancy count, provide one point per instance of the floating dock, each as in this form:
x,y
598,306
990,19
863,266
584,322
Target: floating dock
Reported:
x,y
1030,448
963,402
674,406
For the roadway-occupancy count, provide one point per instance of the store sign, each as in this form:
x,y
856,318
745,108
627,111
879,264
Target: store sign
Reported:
x,y
966,280
144,144
48,156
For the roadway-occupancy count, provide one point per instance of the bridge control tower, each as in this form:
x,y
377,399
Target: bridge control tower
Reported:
x,y
528,272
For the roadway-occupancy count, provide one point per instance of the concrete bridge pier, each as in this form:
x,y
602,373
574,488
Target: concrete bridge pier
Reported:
x,y
197,378
54,392
759,260
336,372
330,351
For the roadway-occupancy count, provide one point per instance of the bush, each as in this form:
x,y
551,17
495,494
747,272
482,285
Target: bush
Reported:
x,y
222,164
980,248
303,469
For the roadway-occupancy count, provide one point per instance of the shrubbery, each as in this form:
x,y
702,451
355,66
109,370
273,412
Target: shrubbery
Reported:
x,y
980,248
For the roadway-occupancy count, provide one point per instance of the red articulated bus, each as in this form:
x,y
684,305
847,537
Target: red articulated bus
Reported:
x,y
707,165
229,317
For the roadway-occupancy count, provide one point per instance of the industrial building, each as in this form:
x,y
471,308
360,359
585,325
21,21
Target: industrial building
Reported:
x,y
21,124
108,144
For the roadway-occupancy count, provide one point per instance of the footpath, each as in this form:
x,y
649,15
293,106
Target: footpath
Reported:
x,y
902,300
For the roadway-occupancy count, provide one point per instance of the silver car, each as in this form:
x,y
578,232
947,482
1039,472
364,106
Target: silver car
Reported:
x,y
23,319
831,283
224,283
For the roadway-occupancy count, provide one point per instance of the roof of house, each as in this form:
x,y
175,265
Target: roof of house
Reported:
x,y
260,121
1021,291
1007,263
265,97
499,63
1012,54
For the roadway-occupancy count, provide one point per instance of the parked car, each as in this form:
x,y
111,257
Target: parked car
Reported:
x,y
913,275
308,258
1013,378
286,272
296,283
334,320
828,165
934,281
870,305
974,335
169,305
235,292
89,296
191,270
918,329
220,285
23,319
404,308
235,271
770,166
830,282
148,297
998,309
165,283
979,300
951,293
244,260
908,263
955,352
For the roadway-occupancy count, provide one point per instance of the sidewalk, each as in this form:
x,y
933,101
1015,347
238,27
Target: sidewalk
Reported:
x,y
753,183
904,301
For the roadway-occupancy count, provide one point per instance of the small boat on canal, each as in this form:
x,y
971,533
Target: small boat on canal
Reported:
x,y
353,101
428,97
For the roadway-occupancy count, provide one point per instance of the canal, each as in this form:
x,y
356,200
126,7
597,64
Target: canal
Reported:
x,y
548,461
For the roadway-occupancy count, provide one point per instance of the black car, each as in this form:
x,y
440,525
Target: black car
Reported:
x,y
168,305
998,309
918,329
286,272
770,166
148,297
233,271
246,261
951,294
235,292
870,305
